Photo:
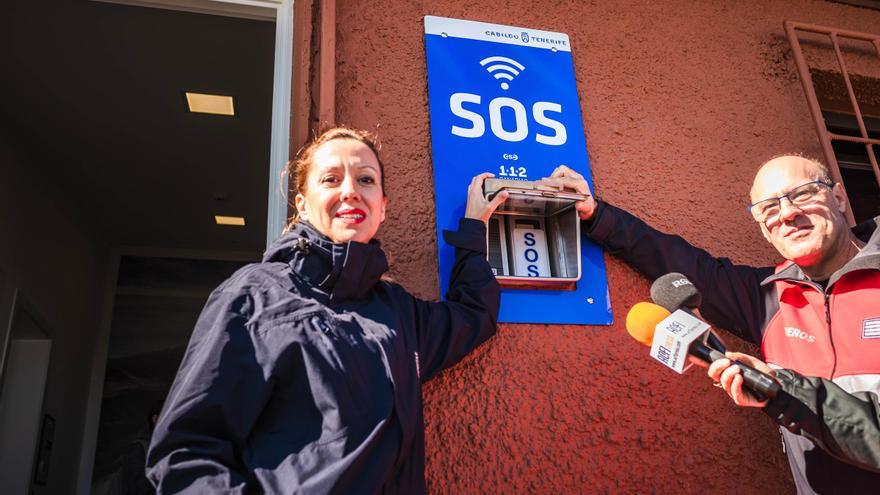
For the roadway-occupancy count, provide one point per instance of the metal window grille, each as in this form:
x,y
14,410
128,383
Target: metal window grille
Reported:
x,y
827,137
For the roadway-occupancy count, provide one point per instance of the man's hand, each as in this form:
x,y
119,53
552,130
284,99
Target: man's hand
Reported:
x,y
726,374
477,206
569,179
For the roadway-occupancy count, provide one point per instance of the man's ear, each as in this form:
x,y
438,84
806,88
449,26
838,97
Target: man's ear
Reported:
x,y
840,197
300,202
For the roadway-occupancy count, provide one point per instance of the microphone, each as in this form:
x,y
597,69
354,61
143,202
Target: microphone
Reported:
x,y
674,291
671,336
674,336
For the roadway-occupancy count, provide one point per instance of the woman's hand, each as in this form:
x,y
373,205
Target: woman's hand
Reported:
x,y
723,373
569,179
477,206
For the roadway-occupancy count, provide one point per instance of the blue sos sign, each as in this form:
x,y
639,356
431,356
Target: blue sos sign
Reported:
x,y
504,100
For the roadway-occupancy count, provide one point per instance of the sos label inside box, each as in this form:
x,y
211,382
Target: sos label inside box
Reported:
x,y
534,237
530,253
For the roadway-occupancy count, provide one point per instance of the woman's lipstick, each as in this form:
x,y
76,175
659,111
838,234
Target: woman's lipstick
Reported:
x,y
351,216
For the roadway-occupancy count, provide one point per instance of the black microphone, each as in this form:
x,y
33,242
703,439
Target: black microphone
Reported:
x,y
674,291
645,318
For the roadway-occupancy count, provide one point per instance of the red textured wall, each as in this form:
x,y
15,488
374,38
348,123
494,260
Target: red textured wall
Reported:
x,y
681,101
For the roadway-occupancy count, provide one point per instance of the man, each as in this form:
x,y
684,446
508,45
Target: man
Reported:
x,y
815,313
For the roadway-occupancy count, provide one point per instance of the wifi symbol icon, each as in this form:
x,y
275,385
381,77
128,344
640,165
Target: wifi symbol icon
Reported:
x,y
502,68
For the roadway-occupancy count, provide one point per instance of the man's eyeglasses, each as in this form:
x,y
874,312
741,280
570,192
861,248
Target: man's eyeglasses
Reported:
x,y
767,210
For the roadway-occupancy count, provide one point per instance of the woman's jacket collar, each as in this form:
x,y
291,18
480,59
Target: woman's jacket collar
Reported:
x,y
341,270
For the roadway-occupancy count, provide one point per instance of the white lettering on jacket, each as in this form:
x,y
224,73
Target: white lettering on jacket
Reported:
x,y
797,333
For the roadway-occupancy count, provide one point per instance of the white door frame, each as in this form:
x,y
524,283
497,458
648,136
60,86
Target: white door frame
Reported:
x,y
281,111
281,13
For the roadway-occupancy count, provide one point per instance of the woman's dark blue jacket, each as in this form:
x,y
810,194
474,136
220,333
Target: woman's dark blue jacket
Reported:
x,y
304,372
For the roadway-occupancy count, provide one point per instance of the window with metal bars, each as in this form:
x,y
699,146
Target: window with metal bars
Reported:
x,y
845,107
855,167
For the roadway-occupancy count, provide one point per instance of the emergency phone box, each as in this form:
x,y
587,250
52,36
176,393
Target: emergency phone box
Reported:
x,y
534,237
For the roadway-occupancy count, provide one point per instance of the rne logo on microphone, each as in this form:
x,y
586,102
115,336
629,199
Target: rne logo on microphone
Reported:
x,y
797,333
682,281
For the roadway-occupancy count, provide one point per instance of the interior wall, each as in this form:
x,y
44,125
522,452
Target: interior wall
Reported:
x,y
682,100
53,255
20,412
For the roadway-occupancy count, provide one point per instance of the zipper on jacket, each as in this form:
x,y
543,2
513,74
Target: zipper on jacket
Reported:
x,y
827,297
830,334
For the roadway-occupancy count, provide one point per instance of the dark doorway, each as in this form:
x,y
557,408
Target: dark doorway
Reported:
x,y
157,302
101,157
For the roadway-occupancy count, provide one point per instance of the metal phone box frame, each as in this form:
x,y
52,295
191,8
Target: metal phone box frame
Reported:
x,y
535,207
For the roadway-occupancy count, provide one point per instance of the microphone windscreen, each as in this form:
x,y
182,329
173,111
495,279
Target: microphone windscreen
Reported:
x,y
674,291
642,320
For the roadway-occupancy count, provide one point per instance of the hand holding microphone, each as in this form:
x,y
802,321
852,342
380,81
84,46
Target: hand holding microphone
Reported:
x,y
682,334
674,291
726,372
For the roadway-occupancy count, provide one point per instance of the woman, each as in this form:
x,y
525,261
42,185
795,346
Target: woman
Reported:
x,y
303,374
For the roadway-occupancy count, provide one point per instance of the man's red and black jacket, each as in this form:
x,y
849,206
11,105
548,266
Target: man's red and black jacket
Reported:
x,y
830,334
